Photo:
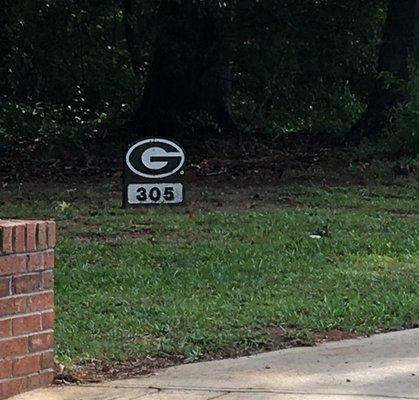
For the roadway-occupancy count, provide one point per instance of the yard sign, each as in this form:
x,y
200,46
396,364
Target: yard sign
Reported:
x,y
153,173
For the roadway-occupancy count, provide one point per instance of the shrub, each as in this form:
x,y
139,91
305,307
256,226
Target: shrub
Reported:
x,y
402,133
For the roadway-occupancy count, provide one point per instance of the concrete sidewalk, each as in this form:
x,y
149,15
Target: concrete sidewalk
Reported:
x,y
381,367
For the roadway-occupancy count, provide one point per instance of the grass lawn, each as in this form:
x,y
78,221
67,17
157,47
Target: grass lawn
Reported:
x,y
185,281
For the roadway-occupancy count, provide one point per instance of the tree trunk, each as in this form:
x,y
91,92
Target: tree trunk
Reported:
x,y
188,86
128,21
400,44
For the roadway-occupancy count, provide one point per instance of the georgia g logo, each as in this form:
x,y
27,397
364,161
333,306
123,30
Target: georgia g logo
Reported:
x,y
155,158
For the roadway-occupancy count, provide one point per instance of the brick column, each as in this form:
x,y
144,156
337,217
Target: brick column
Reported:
x,y
26,305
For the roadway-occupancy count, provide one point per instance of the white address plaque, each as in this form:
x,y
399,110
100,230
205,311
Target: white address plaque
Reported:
x,y
158,193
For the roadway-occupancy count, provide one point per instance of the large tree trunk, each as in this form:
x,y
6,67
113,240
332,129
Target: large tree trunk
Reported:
x,y
188,86
129,22
400,44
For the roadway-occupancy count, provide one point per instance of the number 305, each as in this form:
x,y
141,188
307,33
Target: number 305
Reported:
x,y
155,194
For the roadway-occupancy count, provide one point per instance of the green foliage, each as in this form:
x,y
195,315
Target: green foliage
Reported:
x,y
290,78
31,126
304,67
66,67
402,134
65,72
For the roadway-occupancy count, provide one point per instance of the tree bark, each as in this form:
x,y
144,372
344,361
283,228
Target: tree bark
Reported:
x,y
130,36
399,46
188,85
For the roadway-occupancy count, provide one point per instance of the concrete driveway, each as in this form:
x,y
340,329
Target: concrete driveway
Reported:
x,y
380,367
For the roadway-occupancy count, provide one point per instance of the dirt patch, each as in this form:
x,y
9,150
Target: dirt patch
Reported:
x,y
111,238
99,370
293,157
335,335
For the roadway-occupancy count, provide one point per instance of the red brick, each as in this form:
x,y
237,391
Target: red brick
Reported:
x,y
51,234
13,347
36,262
26,324
41,236
5,328
13,387
12,305
19,238
26,365
26,283
48,320
6,237
31,236
41,341
41,301
47,360
5,369
5,287
49,259
41,261
11,265
47,280
40,380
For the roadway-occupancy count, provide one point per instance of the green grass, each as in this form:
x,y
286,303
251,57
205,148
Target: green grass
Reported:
x,y
158,280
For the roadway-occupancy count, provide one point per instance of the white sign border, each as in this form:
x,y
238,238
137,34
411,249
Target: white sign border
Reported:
x,y
148,176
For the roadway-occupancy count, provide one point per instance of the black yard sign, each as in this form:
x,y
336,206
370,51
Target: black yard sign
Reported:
x,y
153,173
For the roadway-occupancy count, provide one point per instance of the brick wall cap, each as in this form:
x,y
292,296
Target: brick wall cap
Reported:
x,y
20,236
14,222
